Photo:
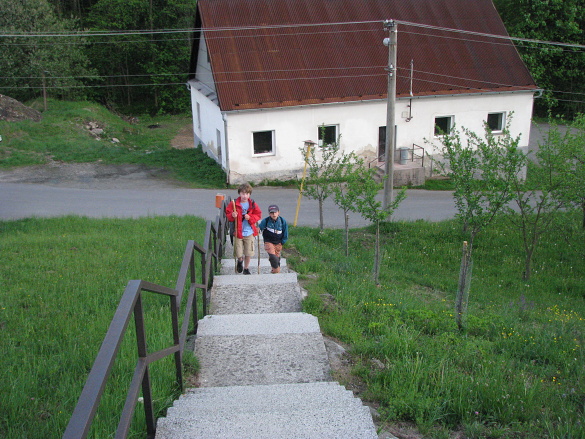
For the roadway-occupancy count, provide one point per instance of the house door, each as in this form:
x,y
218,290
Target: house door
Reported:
x,y
382,142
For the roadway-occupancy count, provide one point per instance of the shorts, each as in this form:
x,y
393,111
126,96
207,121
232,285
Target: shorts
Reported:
x,y
244,246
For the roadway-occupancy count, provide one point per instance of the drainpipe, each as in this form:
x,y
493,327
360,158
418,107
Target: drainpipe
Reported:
x,y
227,154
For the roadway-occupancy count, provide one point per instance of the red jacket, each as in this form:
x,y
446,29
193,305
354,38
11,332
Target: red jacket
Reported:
x,y
254,212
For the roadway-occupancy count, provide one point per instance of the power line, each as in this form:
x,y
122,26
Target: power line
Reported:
x,y
84,34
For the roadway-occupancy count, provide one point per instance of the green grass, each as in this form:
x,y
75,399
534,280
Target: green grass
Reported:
x,y
62,136
62,280
517,369
515,372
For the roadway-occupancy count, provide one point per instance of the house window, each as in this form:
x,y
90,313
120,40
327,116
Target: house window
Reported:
x,y
263,142
496,121
327,135
443,125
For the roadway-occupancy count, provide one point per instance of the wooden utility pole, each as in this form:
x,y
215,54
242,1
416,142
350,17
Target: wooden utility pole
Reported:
x,y
391,42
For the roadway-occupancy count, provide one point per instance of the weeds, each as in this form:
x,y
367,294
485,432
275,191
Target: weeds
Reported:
x,y
514,372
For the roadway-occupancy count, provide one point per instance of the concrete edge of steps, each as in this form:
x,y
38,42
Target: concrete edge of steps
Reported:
x,y
256,324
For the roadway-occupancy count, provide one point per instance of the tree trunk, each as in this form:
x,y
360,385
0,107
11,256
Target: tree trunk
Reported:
x,y
320,214
346,235
463,285
377,255
528,264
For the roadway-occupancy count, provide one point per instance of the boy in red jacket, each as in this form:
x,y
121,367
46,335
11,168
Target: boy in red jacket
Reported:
x,y
245,213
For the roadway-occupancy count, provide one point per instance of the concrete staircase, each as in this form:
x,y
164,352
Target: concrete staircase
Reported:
x,y
264,368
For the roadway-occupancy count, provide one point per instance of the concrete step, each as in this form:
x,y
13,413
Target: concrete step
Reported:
x,y
228,266
292,411
255,294
258,324
260,349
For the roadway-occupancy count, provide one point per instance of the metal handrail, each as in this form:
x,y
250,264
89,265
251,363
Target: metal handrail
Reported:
x,y
131,303
415,155
378,159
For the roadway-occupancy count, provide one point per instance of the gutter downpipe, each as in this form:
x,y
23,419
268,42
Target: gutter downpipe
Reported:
x,y
227,150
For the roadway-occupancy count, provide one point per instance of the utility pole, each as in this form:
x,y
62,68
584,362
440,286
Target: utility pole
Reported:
x,y
391,42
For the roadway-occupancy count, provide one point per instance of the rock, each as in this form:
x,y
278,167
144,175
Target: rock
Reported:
x,y
12,110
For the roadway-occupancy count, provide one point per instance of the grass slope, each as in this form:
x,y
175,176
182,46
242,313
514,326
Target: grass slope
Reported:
x,y
62,135
62,280
517,369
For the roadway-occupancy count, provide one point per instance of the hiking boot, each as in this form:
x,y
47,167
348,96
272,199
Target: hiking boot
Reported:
x,y
246,271
239,266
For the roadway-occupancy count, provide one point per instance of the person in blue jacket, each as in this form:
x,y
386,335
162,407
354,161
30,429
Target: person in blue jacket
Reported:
x,y
275,233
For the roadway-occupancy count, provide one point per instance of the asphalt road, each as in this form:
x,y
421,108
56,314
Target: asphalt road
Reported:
x,y
22,200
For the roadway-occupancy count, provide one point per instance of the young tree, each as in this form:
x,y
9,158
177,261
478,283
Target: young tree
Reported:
x,y
555,180
362,188
483,171
321,165
347,168
574,150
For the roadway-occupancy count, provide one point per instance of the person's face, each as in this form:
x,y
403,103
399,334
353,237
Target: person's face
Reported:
x,y
274,215
244,197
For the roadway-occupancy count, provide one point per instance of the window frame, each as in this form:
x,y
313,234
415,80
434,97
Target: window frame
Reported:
x,y
451,120
502,121
320,139
272,144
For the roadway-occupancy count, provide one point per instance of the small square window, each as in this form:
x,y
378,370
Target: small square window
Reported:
x,y
327,135
443,125
263,142
496,121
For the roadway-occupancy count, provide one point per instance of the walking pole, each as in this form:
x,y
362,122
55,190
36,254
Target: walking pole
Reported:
x,y
258,252
234,238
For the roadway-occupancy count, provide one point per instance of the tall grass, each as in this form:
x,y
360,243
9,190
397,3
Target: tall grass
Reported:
x,y
517,369
62,136
62,280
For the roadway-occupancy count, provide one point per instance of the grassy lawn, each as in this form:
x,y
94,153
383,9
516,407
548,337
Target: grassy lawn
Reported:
x,y
62,135
517,369
515,372
62,280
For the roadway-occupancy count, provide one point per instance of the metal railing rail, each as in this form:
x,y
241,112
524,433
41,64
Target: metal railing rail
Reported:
x,y
378,159
416,155
210,254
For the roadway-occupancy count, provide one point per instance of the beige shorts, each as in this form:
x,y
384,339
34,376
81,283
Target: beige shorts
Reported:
x,y
244,247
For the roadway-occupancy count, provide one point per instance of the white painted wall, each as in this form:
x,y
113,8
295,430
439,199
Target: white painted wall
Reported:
x,y
358,123
207,123
203,71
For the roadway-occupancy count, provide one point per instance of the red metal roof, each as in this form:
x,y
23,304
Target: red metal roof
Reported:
x,y
278,53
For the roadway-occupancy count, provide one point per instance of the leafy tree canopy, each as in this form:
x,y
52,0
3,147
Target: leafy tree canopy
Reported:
x,y
24,60
559,70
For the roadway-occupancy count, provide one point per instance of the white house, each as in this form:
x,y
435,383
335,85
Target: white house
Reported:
x,y
268,74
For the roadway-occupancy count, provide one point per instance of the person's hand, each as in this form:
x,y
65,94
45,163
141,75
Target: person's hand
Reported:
x,y
246,217
235,214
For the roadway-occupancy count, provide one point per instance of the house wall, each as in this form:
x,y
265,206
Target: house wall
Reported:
x,y
208,123
358,124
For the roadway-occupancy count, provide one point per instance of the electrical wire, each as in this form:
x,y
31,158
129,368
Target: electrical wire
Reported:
x,y
210,32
